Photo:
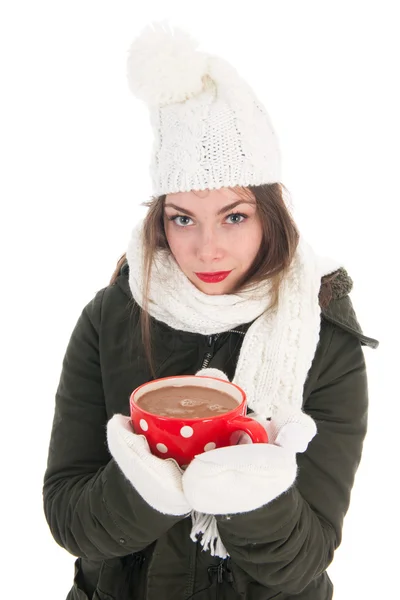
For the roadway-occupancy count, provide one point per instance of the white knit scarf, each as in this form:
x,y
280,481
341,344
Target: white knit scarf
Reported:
x,y
278,348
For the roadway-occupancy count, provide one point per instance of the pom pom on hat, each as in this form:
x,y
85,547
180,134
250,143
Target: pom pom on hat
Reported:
x,y
164,67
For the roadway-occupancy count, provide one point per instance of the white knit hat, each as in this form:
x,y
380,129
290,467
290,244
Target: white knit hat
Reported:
x,y
210,129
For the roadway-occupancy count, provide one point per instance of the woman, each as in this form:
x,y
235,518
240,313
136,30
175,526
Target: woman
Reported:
x,y
217,279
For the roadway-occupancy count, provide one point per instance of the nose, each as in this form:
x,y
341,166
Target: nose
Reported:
x,y
209,247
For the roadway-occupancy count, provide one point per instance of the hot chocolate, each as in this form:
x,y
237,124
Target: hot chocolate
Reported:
x,y
187,401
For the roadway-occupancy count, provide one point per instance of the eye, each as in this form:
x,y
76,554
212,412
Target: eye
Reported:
x,y
237,216
177,219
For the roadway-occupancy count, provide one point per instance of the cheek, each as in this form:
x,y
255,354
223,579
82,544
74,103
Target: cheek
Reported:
x,y
257,234
178,243
256,240
247,245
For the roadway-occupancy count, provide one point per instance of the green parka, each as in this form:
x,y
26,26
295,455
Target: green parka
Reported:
x,y
127,550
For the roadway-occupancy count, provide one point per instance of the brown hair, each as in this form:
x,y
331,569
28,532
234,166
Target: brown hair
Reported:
x,y
279,243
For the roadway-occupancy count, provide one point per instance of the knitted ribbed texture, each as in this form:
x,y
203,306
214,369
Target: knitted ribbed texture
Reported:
x,y
278,349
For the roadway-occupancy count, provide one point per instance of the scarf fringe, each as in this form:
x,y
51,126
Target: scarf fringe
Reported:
x,y
206,526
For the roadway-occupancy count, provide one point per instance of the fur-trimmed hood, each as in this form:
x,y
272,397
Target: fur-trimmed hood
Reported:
x,y
337,307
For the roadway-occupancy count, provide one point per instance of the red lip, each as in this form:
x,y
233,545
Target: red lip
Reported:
x,y
213,277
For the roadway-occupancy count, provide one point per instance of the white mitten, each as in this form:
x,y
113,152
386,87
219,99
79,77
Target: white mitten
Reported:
x,y
157,480
244,477
238,479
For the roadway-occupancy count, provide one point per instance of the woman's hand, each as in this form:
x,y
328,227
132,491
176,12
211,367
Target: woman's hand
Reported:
x,y
241,478
238,479
244,477
157,480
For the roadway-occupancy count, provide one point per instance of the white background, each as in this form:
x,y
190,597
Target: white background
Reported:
x,y
74,154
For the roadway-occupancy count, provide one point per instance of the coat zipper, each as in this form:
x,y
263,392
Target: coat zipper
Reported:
x,y
134,572
209,354
211,344
223,573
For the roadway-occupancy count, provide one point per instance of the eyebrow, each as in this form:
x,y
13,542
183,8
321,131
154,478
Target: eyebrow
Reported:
x,y
223,210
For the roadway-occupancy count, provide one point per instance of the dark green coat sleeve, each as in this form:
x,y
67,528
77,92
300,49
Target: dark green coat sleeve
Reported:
x,y
289,542
91,508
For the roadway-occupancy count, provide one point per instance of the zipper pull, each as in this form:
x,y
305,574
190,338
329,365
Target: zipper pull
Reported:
x,y
228,576
211,339
218,570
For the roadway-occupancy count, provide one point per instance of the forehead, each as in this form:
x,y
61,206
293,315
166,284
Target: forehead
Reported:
x,y
209,198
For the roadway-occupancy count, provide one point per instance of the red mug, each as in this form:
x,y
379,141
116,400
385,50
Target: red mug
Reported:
x,y
183,438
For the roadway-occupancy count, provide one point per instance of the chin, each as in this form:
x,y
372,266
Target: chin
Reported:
x,y
213,289
215,292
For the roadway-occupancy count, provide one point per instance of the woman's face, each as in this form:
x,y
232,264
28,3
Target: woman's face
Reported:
x,y
212,231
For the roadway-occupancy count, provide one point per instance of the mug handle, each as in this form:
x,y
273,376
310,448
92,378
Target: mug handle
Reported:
x,y
247,425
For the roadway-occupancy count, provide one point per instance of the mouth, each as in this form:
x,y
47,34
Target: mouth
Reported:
x,y
213,277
